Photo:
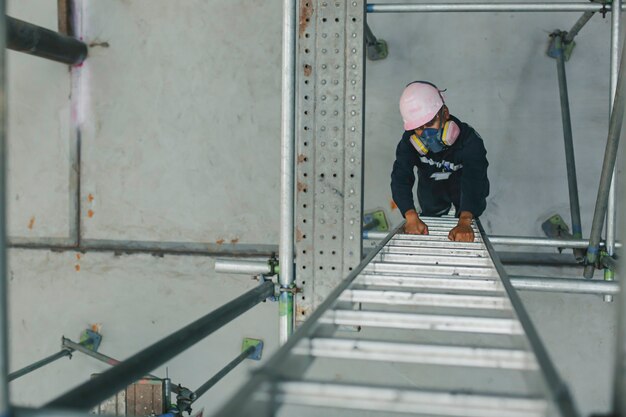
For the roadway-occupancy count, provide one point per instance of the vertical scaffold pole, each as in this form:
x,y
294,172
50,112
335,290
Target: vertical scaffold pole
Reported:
x,y
288,117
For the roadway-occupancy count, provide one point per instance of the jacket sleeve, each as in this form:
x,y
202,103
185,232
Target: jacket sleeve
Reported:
x,y
474,181
403,177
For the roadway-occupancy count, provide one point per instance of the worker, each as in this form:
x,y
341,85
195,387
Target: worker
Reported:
x,y
451,163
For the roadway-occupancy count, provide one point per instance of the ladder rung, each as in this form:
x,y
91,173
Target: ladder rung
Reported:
x,y
429,337
442,220
445,228
435,235
435,259
411,321
409,250
425,299
471,284
396,242
419,269
418,353
397,400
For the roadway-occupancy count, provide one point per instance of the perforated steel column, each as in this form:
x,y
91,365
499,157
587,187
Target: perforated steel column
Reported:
x,y
329,195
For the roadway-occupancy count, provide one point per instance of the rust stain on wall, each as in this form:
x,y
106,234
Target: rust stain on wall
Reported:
x,y
301,158
393,205
301,186
77,267
235,240
90,213
306,10
31,223
101,44
220,242
298,234
302,312
78,256
90,198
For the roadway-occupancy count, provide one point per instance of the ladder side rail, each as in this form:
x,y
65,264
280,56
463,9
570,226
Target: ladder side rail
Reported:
x,y
558,390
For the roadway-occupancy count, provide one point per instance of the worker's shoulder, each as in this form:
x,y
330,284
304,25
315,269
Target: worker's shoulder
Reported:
x,y
468,136
404,143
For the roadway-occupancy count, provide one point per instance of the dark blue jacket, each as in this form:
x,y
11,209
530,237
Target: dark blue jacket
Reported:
x,y
458,172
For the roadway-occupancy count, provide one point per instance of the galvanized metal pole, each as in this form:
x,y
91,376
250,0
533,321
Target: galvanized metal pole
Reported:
x,y
485,7
238,266
582,21
4,311
610,155
564,285
570,160
609,275
223,372
518,241
288,120
39,364
619,378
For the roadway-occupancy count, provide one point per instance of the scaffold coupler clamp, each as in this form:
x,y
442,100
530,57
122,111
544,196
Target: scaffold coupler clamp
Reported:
x,y
272,262
272,275
263,278
184,399
293,289
604,10
594,257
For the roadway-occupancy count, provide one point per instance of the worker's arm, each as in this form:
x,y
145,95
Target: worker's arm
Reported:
x,y
402,181
463,231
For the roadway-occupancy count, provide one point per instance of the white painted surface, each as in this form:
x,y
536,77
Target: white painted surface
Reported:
x,y
138,300
180,142
38,136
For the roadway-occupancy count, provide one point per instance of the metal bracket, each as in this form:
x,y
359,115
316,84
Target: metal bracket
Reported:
x,y
376,48
258,345
558,46
273,264
293,290
277,287
604,10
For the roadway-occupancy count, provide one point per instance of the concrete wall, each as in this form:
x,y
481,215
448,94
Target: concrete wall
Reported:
x,y
179,115
180,132
499,80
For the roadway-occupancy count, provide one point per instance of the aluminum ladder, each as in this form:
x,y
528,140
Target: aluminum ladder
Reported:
x,y
424,326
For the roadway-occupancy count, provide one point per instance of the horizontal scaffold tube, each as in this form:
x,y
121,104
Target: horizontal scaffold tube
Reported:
x,y
517,241
569,285
44,43
486,7
237,266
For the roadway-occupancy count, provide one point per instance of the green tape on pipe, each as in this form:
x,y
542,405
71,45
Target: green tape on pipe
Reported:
x,y
285,304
